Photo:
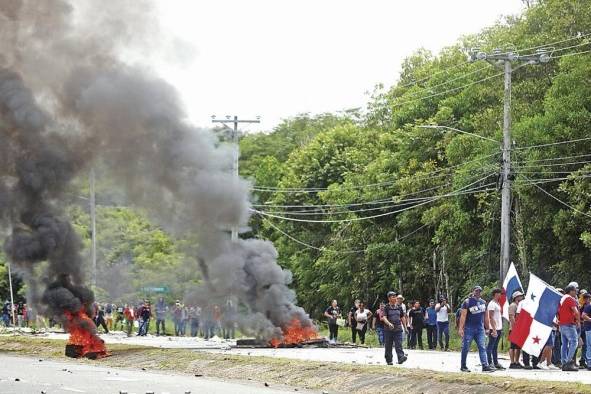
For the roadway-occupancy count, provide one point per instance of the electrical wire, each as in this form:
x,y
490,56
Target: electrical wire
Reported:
x,y
374,202
415,176
553,143
560,201
554,164
552,159
372,216
572,54
399,204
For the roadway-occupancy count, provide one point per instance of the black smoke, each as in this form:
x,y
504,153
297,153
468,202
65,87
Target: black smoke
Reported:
x,y
69,99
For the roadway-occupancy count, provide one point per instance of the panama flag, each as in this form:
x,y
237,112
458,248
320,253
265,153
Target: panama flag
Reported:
x,y
510,285
538,310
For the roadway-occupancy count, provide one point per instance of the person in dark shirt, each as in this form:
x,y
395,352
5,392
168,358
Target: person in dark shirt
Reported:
x,y
332,313
100,319
351,320
472,324
431,325
416,324
394,320
586,318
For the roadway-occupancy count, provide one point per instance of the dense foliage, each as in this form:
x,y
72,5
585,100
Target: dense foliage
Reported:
x,y
360,202
314,180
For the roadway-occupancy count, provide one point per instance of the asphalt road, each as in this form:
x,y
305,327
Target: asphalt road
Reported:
x,y
24,375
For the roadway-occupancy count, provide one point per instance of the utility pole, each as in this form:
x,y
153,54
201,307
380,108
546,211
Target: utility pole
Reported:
x,y
236,153
505,60
93,226
12,311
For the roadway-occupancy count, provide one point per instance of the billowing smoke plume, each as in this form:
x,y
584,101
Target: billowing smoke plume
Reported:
x,y
67,98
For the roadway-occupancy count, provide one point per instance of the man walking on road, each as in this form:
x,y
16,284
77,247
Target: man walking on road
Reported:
x,y
351,320
472,324
443,310
569,321
431,325
394,322
496,329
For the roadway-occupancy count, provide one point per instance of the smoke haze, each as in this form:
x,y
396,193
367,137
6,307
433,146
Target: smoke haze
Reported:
x,y
70,96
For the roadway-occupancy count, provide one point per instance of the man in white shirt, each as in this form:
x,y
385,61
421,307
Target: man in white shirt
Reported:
x,y
442,309
494,315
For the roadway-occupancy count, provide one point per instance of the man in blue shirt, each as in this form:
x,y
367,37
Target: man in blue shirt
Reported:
x,y
471,327
431,324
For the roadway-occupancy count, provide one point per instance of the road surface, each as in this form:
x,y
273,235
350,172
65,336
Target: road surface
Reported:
x,y
24,375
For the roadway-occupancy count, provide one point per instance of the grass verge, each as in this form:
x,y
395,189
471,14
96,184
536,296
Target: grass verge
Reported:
x,y
278,372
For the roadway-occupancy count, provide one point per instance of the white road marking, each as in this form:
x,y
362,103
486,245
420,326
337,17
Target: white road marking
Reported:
x,y
73,390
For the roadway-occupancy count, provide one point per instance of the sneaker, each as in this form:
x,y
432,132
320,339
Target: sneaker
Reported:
x,y
553,367
465,369
541,366
488,368
515,366
570,367
582,366
390,363
402,360
499,367
527,367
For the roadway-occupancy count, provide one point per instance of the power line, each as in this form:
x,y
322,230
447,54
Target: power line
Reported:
x,y
553,143
555,164
416,82
415,176
553,158
399,204
322,249
372,216
573,54
560,201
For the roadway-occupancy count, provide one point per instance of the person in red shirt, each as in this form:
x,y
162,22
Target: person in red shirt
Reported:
x,y
569,321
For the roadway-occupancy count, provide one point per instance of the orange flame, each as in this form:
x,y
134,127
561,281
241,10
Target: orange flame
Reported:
x,y
295,333
83,333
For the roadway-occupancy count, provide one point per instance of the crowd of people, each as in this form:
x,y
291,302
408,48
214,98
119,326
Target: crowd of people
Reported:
x,y
188,320
476,320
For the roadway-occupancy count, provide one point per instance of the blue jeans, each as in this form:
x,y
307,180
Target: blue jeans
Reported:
x,y
570,340
443,330
476,334
588,346
492,347
380,332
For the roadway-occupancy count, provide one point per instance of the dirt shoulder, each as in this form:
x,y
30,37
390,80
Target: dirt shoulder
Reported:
x,y
333,377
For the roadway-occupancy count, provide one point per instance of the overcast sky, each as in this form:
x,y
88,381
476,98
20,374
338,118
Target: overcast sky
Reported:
x,y
278,58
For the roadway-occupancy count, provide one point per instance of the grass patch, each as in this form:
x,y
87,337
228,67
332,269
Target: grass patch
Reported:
x,y
306,374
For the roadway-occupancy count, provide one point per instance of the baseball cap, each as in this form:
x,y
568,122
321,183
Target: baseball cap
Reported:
x,y
391,293
477,288
516,294
574,284
569,288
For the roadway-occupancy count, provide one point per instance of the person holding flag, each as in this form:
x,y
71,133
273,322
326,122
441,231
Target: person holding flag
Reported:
x,y
533,326
511,284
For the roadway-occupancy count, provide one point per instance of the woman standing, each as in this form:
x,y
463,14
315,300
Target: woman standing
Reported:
x,y
362,318
416,323
332,313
